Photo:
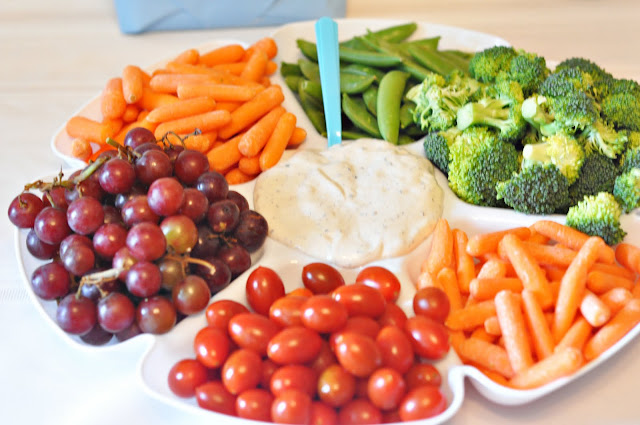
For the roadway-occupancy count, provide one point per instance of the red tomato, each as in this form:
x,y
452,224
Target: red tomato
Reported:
x,y
220,312
301,292
268,369
185,376
422,374
386,388
393,315
336,386
391,416
324,314
287,311
296,377
321,414
214,396
291,407
360,324
211,346
431,302
395,348
242,371
295,344
264,286
252,331
324,359
360,300
422,403
321,278
254,404
359,411
358,353
381,279
430,339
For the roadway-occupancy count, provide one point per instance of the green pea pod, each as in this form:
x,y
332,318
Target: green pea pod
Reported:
x,y
432,59
355,43
288,69
308,49
356,68
406,115
454,56
431,42
293,82
307,94
365,57
416,70
370,97
404,139
353,135
311,88
354,83
355,110
414,131
388,104
396,33
314,113
310,70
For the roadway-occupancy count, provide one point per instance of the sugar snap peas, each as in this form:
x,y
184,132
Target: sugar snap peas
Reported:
x,y
388,104
356,111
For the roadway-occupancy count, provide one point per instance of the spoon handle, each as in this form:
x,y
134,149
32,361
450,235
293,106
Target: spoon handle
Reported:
x,y
329,62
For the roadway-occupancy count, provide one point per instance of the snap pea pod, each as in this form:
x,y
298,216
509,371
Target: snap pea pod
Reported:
x,y
312,88
370,97
404,139
388,104
406,115
431,42
353,135
354,43
396,33
293,82
314,113
357,112
408,64
310,70
430,58
368,58
354,83
308,49
287,69
455,57
356,68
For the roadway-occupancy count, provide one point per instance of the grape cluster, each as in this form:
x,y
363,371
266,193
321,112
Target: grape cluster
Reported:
x,y
137,240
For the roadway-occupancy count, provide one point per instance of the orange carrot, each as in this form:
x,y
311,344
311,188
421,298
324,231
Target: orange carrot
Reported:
x,y
514,331
576,336
226,155
446,278
538,326
168,83
198,142
207,121
235,176
132,82
252,110
614,269
573,285
204,73
492,326
112,103
152,100
483,353
486,288
219,92
471,316
249,165
628,256
550,254
441,253
256,137
256,66
81,149
570,237
299,135
536,237
425,280
493,268
277,143
616,298
594,310
488,242
561,363
225,54
234,68
130,113
88,129
600,282
228,106
181,109
267,45
481,333
625,320
465,270
635,291
189,56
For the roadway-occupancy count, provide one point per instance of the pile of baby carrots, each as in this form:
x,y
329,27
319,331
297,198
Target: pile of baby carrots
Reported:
x,y
533,304
224,96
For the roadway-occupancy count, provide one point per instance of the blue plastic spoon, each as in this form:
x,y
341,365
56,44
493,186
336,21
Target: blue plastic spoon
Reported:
x,y
329,61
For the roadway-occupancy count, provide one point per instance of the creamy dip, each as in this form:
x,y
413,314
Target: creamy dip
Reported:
x,y
351,204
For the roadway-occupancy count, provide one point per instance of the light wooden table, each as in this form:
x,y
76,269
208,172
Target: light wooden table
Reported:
x,y
55,55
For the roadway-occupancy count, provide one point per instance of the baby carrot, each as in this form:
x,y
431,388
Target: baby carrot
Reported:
x,y
277,143
207,121
572,286
492,326
235,176
256,137
536,237
481,333
550,254
132,83
226,155
250,165
181,109
594,310
425,280
614,269
297,137
492,269
88,129
198,142
256,66
225,54
625,320
514,331
483,353
465,270
189,56
218,92
130,113
570,237
600,282
228,106
449,282
151,100
234,68
561,363
267,45
168,83
616,298
576,336
252,110
538,326
628,256
112,103
471,316
487,288
488,242
441,253
81,149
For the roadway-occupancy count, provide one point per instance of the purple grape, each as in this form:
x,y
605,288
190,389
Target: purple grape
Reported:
x,y
137,136
217,274
239,199
144,279
108,239
223,216
51,225
148,146
208,242
78,259
117,176
97,336
191,295
236,257
213,185
156,315
57,195
137,210
123,259
116,312
172,272
73,239
76,315
112,215
130,332
189,165
180,232
85,215
251,231
194,204
88,187
39,249
23,210
165,196
50,281
146,241
152,165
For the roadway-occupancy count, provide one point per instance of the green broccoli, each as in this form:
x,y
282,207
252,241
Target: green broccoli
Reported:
x,y
597,174
527,69
601,79
486,65
568,113
536,189
630,159
479,160
602,137
561,149
627,189
531,136
438,99
436,147
598,215
622,110
500,108
566,81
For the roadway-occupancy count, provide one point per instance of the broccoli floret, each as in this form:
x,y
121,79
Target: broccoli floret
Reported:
x,y
569,113
438,99
561,149
486,65
501,108
622,110
627,189
565,82
530,137
601,79
537,189
633,139
630,159
597,174
598,215
479,160
527,69
602,137
436,147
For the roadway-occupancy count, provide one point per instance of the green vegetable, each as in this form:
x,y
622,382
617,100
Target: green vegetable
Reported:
x,y
536,189
354,83
365,57
396,33
597,174
561,150
287,69
356,68
356,111
308,49
436,147
598,215
388,104
293,82
312,88
623,110
433,60
310,70
370,97
627,189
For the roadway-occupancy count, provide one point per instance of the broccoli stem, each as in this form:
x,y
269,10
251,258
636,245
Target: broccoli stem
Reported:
x,y
492,112
536,152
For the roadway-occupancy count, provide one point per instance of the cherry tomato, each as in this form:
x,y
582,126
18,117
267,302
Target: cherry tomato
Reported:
x,y
393,315
214,396
300,292
211,346
395,348
324,314
252,331
321,414
321,278
185,376
359,411
254,404
264,286
381,279
291,407
295,344
220,312
268,369
336,386
324,359
358,353
422,403
422,374
297,377
391,417
287,311
430,339
360,300
386,388
359,324
242,371
431,302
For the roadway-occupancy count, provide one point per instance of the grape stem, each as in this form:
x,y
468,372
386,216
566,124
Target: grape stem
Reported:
x,y
98,278
186,260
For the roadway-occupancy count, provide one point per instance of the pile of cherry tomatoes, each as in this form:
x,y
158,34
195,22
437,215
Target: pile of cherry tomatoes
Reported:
x,y
325,353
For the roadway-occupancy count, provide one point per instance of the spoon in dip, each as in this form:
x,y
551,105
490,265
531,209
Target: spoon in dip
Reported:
x,y
329,62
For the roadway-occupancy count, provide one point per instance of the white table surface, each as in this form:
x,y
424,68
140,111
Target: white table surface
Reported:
x,y
55,55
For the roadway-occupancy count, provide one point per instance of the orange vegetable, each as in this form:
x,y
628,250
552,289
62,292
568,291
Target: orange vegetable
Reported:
x,y
152,100
252,110
488,288
256,66
594,310
483,353
628,256
277,143
441,253
488,242
132,83
492,326
514,332
298,136
250,165
616,298
130,113
465,270
189,56
218,92
90,130
570,237
181,109
561,363
112,103
81,148
625,320
256,137
225,54
538,326
267,45
471,316
226,155
207,121
576,336
448,281
236,176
